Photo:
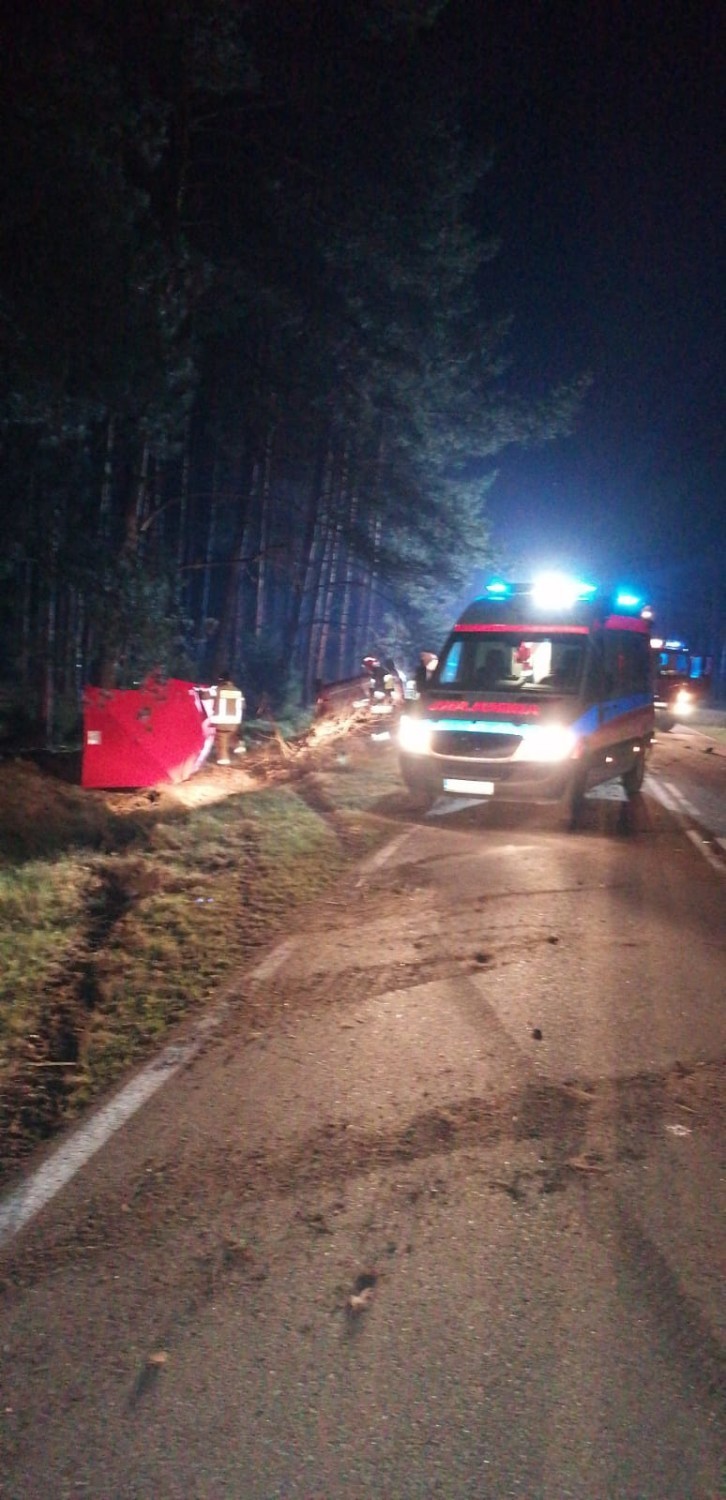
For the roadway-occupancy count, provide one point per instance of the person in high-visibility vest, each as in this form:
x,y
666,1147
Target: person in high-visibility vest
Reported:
x,y
227,716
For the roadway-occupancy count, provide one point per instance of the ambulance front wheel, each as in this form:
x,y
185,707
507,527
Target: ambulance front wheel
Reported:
x,y
574,798
633,779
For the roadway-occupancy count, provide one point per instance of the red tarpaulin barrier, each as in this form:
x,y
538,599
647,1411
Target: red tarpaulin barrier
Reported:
x,y
159,732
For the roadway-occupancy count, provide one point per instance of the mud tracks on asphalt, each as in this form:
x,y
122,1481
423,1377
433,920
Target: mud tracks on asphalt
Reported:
x,y
554,1115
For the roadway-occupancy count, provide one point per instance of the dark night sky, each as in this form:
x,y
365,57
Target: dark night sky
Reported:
x,y
607,194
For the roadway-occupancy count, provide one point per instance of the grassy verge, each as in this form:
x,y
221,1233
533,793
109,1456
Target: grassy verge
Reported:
x,y
120,915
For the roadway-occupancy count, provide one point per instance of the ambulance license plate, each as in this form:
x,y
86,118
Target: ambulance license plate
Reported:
x,y
468,788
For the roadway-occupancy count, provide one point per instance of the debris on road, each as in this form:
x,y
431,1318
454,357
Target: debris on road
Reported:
x,y
587,1164
360,1300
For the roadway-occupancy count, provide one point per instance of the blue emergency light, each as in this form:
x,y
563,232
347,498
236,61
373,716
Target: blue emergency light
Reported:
x,y
558,591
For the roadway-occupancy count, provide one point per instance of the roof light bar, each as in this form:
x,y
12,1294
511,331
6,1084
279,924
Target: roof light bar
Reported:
x,y
557,591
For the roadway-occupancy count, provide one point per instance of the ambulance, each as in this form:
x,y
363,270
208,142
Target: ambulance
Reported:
x,y
541,691
675,691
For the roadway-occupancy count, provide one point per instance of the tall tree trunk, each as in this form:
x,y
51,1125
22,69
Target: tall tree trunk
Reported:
x,y
111,651
25,623
106,497
349,500
207,570
136,505
325,596
225,636
332,566
78,647
301,599
369,614
184,497
315,580
48,667
265,504
370,610
241,618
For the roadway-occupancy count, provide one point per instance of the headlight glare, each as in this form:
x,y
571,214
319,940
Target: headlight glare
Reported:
x,y
414,735
684,701
547,742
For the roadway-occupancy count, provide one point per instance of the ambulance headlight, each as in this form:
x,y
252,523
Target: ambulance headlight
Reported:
x,y
414,735
547,742
684,701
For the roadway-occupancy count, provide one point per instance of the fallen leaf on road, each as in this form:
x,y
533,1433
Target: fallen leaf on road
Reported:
x,y
582,1095
585,1164
359,1301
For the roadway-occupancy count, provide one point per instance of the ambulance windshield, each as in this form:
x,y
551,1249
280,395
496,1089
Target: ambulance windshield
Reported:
x,y
509,661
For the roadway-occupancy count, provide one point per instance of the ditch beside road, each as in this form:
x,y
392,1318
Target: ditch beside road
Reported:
x,y
122,914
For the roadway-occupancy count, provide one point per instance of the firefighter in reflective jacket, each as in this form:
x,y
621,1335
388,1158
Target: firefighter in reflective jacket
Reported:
x,y
226,716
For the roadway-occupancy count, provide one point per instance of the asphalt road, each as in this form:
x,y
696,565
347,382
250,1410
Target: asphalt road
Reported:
x,y
435,1208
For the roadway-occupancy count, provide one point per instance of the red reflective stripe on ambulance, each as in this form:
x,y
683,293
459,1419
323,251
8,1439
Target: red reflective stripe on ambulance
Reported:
x,y
627,622
519,628
460,705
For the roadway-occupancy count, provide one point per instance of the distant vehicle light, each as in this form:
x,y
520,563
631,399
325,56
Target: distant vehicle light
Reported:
x,y
684,701
498,588
546,742
626,600
557,591
414,735
674,646
656,643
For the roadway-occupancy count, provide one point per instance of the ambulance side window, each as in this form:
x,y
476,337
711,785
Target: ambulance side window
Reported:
x,y
637,663
627,663
450,670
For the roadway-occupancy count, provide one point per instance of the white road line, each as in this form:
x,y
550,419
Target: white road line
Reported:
x,y
22,1205
657,789
382,857
444,805
682,802
28,1199
675,802
669,795
700,844
274,961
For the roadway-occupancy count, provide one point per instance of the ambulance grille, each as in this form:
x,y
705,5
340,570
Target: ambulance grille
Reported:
x,y
464,742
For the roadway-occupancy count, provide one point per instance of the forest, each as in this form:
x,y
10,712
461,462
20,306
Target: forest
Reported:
x,y
253,381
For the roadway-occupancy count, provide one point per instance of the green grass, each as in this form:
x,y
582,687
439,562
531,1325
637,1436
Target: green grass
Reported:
x,y
117,920
42,906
